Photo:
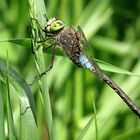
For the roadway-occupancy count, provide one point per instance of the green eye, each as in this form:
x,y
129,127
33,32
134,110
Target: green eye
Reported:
x,y
56,25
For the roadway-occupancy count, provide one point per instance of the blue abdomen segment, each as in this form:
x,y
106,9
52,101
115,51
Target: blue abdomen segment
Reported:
x,y
85,62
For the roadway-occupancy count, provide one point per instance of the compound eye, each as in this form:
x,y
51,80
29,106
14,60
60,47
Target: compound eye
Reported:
x,y
56,25
59,23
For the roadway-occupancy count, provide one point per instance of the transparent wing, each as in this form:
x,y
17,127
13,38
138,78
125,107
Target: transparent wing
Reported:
x,y
98,71
82,38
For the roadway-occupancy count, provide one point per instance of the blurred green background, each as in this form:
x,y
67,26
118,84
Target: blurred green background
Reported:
x,y
112,29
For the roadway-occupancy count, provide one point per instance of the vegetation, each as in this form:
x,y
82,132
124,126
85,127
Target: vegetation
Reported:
x,y
68,102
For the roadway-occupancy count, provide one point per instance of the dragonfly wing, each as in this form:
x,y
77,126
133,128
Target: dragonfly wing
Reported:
x,y
97,69
82,38
84,44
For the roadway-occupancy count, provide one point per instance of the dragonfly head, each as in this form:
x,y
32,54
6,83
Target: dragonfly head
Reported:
x,y
54,25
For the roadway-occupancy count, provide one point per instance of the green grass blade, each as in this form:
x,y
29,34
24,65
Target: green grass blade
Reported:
x,y
28,127
2,132
15,77
85,129
128,134
26,42
37,10
111,68
10,120
96,126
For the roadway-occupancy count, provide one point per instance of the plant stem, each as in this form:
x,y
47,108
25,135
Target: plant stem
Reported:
x,y
37,10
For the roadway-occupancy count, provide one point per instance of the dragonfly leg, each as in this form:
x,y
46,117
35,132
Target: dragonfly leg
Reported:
x,y
50,46
52,62
50,66
45,39
38,24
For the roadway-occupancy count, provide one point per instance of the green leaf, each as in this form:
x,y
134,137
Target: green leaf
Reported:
x,y
28,128
2,131
96,125
26,42
10,120
37,10
108,67
85,129
15,77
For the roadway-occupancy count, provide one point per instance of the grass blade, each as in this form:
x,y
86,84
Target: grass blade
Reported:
x,y
85,129
10,120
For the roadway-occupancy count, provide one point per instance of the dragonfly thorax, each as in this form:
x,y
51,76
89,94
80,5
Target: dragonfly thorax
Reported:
x,y
68,40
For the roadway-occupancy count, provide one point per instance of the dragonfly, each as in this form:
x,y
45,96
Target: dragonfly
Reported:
x,y
72,41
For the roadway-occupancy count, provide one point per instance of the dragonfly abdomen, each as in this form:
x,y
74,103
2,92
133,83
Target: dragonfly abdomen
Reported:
x,y
85,62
